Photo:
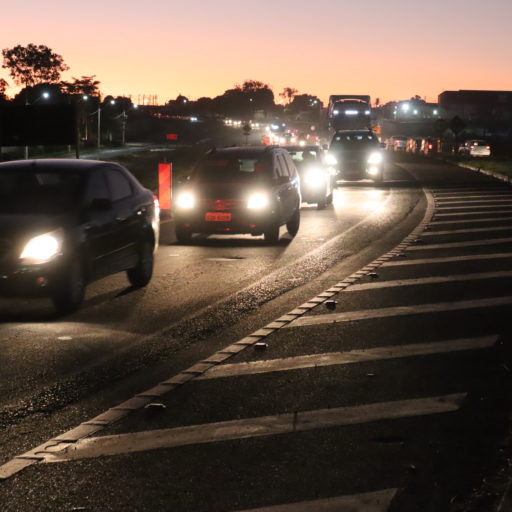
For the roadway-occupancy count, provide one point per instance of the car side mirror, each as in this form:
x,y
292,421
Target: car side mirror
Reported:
x,y
100,205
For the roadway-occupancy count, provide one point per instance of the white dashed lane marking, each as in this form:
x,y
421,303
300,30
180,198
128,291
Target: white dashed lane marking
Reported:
x,y
454,245
254,427
428,280
463,231
465,214
377,501
349,357
468,221
396,311
490,197
448,259
475,206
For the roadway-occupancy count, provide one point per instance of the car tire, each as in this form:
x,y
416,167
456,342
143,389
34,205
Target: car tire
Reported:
x,y
321,203
293,224
69,293
183,235
140,275
271,235
328,199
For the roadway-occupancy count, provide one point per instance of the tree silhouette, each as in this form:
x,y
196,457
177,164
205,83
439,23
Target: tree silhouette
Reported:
x,y
85,85
288,94
33,64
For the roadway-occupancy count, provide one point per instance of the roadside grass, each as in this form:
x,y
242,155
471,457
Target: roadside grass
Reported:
x,y
501,165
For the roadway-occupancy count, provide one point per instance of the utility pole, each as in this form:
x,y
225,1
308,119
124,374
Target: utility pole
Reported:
x,y
98,141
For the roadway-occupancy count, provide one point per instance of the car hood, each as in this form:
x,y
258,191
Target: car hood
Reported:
x,y
16,226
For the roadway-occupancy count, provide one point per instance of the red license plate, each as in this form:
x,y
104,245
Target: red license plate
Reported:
x,y
217,217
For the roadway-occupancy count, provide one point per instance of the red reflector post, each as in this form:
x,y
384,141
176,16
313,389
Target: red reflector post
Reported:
x,y
164,185
171,136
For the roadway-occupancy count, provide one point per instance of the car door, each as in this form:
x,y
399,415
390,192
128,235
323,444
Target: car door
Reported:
x,y
98,226
127,221
286,188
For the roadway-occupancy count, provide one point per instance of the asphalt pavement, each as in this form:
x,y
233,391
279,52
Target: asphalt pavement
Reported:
x,y
377,386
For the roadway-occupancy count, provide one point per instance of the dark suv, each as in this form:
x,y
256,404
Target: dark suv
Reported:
x,y
357,154
240,190
64,223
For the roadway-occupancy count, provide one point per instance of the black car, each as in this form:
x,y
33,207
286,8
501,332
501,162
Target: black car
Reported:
x,y
357,154
65,223
240,190
316,180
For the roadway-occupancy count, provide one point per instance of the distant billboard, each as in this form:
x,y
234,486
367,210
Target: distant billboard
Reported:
x,y
37,125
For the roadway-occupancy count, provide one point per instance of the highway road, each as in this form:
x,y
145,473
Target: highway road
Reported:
x,y
360,366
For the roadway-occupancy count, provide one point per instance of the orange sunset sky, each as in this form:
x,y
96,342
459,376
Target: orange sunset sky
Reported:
x,y
389,49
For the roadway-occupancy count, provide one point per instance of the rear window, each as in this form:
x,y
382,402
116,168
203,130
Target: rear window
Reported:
x,y
39,192
306,155
229,169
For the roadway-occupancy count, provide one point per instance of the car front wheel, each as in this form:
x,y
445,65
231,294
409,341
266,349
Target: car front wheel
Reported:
x,y
140,275
293,224
70,290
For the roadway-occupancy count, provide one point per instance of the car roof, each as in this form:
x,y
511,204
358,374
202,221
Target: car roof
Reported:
x,y
302,148
55,164
242,151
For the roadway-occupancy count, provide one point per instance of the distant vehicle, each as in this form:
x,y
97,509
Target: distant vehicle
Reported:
x,y
475,148
316,178
357,154
349,112
240,190
65,223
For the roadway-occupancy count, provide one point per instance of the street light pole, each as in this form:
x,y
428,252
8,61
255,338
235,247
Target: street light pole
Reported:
x,y
98,141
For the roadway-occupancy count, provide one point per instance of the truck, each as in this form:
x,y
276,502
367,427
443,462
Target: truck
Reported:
x,y
349,112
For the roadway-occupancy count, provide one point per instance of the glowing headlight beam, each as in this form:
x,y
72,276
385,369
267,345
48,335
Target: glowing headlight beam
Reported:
x,y
42,248
375,158
185,201
258,201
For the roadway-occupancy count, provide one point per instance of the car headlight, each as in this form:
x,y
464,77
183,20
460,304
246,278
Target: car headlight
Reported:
x,y
314,178
375,158
330,159
42,248
185,201
258,201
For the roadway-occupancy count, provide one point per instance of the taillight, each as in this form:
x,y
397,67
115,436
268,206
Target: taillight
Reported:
x,y
430,146
487,147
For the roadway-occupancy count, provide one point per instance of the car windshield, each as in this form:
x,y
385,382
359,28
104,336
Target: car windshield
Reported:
x,y
38,192
232,169
353,141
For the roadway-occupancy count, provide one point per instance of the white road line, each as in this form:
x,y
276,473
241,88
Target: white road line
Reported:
x,y
418,309
474,206
448,259
349,357
427,280
480,196
460,214
378,501
254,427
453,245
467,221
472,230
